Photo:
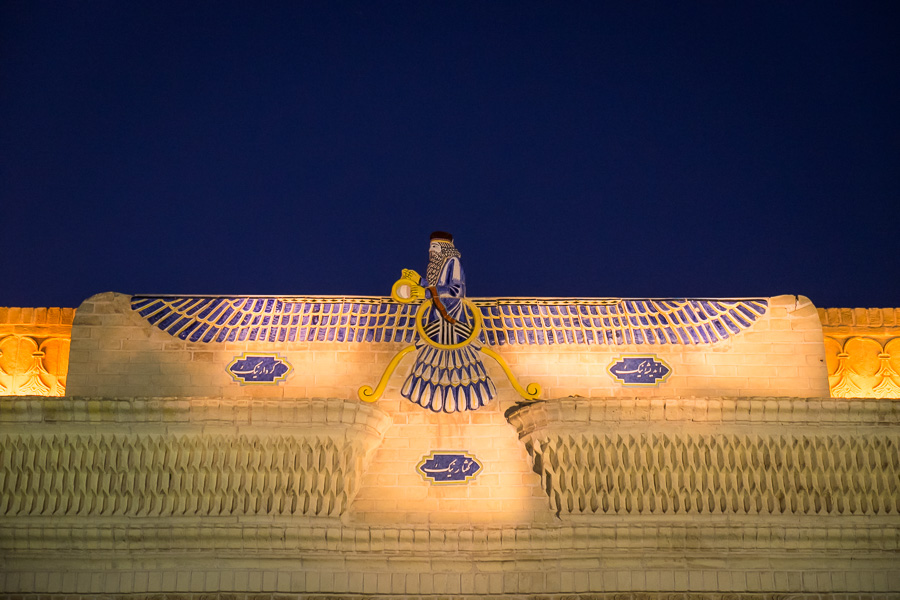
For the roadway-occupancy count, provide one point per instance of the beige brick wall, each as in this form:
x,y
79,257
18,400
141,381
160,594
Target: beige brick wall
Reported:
x,y
507,491
115,352
771,487
401,536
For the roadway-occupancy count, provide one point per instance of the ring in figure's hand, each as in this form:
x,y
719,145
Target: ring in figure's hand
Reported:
x,y
406,291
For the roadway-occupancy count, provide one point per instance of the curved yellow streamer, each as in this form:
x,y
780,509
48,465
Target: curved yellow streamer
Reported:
x,y
367,394
531,392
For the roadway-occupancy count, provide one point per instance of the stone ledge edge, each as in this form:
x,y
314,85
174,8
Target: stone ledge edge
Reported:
x,y
229,536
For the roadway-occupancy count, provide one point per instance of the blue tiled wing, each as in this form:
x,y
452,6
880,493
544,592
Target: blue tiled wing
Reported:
x,y
268,319
616,322
541,321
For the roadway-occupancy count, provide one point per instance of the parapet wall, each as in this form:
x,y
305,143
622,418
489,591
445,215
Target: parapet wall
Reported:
x,y
863,358
650,498
122,347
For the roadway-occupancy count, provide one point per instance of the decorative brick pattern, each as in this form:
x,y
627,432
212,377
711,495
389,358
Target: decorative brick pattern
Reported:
x,y
21,320
589,469
400,536
705,488
863,367
728,474
495,582
862,348
282,537
186,475
311,471
833,318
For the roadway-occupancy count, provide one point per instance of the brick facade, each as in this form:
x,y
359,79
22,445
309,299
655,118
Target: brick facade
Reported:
x,y
159,476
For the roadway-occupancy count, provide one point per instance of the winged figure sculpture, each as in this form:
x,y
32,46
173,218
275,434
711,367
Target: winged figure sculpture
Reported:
x,y
449,332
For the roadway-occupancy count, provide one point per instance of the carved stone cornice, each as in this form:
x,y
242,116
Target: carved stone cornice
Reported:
x,y
851,321
310,414
284,536
591,413
570,596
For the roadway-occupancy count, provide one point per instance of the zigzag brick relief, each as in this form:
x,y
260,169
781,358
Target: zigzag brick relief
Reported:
x,y
719,456
156,475
720,474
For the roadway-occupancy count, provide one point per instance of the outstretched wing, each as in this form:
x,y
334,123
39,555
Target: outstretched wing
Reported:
x,y
268,319
616,322
540,321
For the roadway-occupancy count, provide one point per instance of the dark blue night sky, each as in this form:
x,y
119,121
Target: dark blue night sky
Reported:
x,y
574,149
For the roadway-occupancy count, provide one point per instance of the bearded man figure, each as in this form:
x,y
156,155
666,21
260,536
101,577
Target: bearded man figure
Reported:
x,y
447,379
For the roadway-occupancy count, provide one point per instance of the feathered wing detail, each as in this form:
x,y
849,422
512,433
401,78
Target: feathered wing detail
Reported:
x,y
547,321
266,319
448,380
532,321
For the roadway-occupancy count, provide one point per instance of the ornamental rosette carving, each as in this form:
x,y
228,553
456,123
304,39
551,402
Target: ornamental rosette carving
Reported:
x,y
863,367
34,350
33,366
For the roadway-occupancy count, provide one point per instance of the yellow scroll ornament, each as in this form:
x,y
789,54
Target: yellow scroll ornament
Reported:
x,y
367,394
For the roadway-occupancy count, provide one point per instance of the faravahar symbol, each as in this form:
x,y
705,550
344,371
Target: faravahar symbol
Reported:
x,y
448,375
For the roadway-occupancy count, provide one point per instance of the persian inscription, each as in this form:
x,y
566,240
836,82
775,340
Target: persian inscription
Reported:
x,y
265,368
640,370
453,466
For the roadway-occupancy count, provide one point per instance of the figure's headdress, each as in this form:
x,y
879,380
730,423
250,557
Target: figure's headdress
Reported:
x,y
448,251
441,236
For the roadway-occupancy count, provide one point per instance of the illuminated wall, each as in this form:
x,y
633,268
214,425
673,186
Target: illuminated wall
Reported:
x,y
863,350
861,345
205,452
330,347
34,350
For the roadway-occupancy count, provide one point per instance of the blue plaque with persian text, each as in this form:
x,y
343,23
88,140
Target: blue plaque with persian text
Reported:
x,y
640,370
259,368
454,466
